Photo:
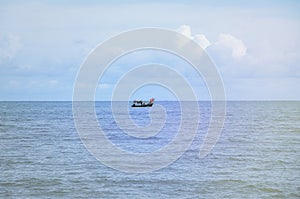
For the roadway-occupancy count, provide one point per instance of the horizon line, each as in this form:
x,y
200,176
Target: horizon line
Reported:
x,y
232,100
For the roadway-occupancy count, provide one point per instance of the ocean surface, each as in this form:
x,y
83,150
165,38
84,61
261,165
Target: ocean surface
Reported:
x,y
256,156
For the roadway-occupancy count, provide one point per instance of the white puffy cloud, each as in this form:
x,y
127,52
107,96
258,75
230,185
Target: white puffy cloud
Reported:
x,y
199,38
224,42
202,40
237,46
185,30
228,52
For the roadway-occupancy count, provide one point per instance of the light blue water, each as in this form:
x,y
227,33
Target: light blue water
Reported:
x,y
257,155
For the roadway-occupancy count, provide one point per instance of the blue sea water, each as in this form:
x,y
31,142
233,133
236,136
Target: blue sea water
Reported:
x,y
257,155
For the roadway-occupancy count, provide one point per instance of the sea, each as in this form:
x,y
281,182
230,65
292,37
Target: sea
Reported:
x,y
257,155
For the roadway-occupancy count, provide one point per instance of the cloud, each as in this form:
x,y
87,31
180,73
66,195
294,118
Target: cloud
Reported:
x,y
237,46
199,38
225,42
185,30
227,52
50,40
202,40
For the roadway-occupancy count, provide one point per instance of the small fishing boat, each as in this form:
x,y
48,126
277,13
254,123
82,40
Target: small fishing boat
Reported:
x,y
140,103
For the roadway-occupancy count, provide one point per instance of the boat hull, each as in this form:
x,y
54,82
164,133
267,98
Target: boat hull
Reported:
x,y
141,105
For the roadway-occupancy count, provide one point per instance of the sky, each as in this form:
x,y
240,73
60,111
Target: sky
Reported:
x,y
255,45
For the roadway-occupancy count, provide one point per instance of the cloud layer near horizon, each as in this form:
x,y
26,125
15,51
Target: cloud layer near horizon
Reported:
x,y
255,46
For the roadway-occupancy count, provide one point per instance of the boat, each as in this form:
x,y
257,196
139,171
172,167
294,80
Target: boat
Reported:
x,y
140,103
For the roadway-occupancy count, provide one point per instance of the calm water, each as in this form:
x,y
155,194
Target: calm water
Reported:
x,y
257,155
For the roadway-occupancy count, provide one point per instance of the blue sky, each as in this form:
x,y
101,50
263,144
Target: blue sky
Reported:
x,y
255,45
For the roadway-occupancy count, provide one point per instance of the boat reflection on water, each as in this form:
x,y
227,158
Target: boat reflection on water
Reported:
x,y
140,103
